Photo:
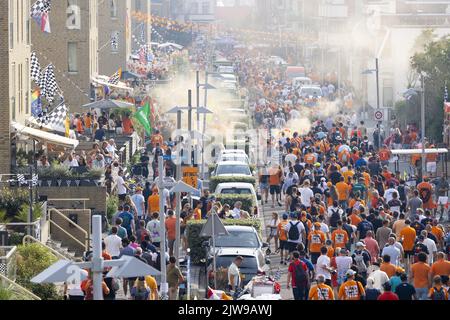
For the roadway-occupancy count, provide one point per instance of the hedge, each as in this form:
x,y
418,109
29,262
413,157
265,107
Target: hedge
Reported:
x,y
248,202
194,227
214,181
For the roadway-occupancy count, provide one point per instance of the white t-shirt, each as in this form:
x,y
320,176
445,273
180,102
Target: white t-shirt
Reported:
x,y
379,278
233,270
393,252
324,228
323,262
301,230
139,202
166,195
306,195
431,246
388,194
290,158
153,227
113,244
343,263
111,150
121,185
236,213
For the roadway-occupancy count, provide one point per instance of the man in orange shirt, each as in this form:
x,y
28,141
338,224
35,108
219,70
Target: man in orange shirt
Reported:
x,y
316,240
351,289
441,267
354,217
343,190
171,223
387,266
420,275
321,291
157,138
153,202
408,236
339,236
385,154
275,183
425,193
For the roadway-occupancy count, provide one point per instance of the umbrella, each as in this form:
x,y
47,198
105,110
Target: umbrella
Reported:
x,y
170,44
108,104
344,146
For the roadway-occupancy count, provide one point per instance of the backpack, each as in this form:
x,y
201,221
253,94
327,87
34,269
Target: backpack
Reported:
x,y
360,264
301,277
335,217
293,234
438,294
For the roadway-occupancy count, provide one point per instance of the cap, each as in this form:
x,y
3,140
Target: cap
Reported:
x,y
285,216
307,173
317,164
360,244
350,273
139,189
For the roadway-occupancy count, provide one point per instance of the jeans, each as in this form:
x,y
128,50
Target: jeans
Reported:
x,y
343,204
300,293
422,293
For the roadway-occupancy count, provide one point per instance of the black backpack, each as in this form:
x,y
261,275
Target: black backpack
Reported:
x,y
301,277
294,234
335,217
438,294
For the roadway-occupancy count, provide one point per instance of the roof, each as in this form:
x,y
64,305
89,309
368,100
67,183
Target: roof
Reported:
x,y
232,163
235,185
418,151
45,136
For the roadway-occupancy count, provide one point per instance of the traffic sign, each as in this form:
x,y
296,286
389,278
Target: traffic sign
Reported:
x,y
190,176
379,115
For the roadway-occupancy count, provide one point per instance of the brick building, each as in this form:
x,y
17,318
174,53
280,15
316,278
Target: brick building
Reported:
x,y
114,35
14,64
72,47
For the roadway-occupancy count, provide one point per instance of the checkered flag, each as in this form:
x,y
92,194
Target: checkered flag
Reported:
x,y
445,93
48,83
34,180
115,78
35,68
55,120
40,7
115,41
21,179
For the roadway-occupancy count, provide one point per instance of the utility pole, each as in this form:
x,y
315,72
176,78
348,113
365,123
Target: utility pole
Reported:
x,y
162,219
198,98
422,121
377,70
178,197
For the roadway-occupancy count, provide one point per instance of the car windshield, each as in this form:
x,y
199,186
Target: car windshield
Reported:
x,y
238,239
249,262
311,92
233,169
234,157
235,191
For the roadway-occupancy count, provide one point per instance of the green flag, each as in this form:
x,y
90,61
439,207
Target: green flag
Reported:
x,y
143,116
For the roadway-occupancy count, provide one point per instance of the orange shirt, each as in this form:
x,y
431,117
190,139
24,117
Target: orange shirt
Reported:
x,y
330,252
281,231
432,157
389,268
343,190
87,122
274,176
348,173
171,224
197,214
127,126
408,235
352,203
80,126
351,290
153,203
384,154
326,293
420,271
339,238
355,219
366,179
437,232
316,240
310,158
441,268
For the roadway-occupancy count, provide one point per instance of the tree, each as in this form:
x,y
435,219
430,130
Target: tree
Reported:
x,y
433,63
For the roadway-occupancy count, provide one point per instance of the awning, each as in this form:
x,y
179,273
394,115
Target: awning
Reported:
x,y
103,81
45,136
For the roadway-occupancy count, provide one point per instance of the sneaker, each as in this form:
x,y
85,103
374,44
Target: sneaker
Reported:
x,y
279,203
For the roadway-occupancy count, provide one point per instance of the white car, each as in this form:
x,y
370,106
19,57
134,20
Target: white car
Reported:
x,y
233,168
232,151
229,77
311,92
225,70
277,60
241,188
234,157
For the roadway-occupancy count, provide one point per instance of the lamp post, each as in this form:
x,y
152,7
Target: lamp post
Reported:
x,y
415,92
377,73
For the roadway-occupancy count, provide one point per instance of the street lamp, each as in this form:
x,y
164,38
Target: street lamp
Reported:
x,y
377,73
415,92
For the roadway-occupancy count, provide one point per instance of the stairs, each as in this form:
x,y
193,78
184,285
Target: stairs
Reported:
x,y
60,248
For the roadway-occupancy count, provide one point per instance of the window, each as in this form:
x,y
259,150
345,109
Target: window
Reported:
x,y
11,24
73,21
114,9
205,8
72,57
13,91
388,93
115,41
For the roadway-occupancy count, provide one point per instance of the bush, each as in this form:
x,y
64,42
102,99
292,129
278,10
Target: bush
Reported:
x,y
112,203
214,181
32,259
11,199
194,228
248,202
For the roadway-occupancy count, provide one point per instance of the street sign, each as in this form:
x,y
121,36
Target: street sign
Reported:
x,y
190,176
379,115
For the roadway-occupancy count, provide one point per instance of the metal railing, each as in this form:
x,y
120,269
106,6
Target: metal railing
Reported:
x,y
85,245
30,239
17,289
8,265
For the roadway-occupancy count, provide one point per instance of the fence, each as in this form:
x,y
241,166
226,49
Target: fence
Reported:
x,y
8,265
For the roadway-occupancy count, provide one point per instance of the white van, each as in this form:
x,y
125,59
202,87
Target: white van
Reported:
x,y
301,81
237,188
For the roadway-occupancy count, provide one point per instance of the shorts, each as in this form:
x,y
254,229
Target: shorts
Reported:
x,y
284,245
171,244
314,257
431,167
275,189
263,186
292,246
409,253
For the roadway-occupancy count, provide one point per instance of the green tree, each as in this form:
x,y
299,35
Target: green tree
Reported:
x,y
433,62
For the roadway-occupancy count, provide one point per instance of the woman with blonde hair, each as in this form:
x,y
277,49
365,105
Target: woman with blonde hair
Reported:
x,y
140,290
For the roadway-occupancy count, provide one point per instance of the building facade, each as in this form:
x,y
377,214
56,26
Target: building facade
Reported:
x,y
198,11
114,35
15,80
72,47
141,31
